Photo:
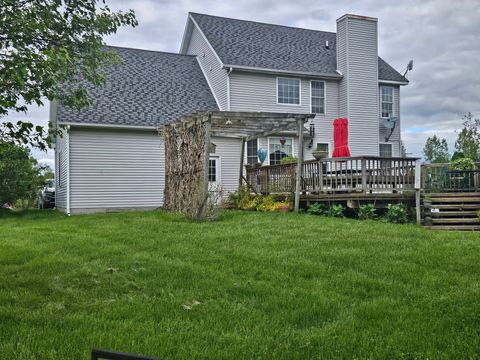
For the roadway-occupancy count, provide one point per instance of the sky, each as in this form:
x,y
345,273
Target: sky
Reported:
x,y
442,37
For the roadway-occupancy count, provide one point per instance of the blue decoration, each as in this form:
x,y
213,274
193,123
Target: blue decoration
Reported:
x,y
262,154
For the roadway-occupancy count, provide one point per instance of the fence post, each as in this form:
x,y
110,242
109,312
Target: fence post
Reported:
x,y
364,174
418,185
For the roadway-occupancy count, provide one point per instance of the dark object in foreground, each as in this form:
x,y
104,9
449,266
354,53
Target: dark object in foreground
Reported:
x,y
98,354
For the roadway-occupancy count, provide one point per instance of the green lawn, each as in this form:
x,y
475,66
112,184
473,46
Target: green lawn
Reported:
x,y
254,285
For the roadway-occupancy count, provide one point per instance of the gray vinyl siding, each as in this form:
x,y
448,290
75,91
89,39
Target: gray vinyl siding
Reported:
x,y
61,170
216,75
229,150
115,170
258,92
359,87
396,137
342,67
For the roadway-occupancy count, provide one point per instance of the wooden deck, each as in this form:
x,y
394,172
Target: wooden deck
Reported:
x,y
454,194
354,175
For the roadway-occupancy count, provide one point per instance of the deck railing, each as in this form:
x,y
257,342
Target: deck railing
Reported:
x,y
353,174
445,178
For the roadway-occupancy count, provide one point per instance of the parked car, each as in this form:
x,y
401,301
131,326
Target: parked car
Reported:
x,y
46,195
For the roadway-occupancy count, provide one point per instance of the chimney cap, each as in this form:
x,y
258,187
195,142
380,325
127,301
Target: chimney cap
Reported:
x,y
358,17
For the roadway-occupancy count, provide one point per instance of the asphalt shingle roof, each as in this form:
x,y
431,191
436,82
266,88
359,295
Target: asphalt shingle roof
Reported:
x,y
260,45
147,89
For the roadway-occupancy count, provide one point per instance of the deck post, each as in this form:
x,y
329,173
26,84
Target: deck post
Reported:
x,y
298,178
242,158
418,185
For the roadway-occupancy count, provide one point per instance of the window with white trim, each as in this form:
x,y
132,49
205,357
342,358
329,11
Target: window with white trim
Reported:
x,y
278,151
252,152
212,170
386,150
317,92
288,91
322,147
386,101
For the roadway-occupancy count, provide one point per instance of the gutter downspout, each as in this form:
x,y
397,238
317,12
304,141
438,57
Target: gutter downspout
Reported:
x,y
228,87
68,170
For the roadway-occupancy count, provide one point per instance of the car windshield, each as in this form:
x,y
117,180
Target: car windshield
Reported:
x,y
50,183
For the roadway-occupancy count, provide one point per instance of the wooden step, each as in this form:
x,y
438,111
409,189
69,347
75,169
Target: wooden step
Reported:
x,y
455,221
456,206
455,227
456,200
453,194
459,213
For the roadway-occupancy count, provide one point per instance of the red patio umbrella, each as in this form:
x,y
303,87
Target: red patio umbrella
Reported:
x,y
340,138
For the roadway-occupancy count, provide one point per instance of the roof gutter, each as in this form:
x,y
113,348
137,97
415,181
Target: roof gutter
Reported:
x,y
392,82
108,126
282,72
68,171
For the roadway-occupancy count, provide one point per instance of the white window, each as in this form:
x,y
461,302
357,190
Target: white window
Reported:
x,y
278,150
386,150
288,91
252,152
317,91
323,148
387,101
213,170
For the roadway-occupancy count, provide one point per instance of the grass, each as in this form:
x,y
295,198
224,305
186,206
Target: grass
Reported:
x,y
254,285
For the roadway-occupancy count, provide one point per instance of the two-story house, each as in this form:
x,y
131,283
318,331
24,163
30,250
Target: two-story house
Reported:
x,y
112,158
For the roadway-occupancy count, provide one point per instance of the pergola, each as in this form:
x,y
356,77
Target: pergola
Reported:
x,y
187,147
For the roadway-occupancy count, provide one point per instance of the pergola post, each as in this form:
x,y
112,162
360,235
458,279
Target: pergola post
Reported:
x,y
299,163
242,156
208,132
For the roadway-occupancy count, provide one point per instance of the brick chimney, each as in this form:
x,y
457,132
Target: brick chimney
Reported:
x,y
357,61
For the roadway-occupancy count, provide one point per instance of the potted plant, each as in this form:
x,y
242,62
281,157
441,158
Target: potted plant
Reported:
x,y
283,207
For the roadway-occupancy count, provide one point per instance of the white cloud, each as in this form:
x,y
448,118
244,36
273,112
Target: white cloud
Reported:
x,y
441,36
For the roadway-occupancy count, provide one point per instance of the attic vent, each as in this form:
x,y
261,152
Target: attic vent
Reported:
x,y
327,45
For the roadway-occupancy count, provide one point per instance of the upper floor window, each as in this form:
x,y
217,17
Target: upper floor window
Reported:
x,y
288,91
387,101
317,96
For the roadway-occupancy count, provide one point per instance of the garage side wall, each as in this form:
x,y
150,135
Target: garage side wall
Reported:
x,y
112,170
61,170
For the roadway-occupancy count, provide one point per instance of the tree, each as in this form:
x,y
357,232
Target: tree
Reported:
x,y
19,174
468,140
436,150
51,49
403,149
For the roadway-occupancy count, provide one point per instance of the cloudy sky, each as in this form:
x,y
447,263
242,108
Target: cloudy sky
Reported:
x,y
441,36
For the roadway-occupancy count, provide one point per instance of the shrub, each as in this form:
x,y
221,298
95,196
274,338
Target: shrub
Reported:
x,y
367,211
396,213
206,207
288,160
336,210
317,209
266,203
462,164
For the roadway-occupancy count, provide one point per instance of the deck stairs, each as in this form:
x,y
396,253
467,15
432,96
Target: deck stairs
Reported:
x,y
452,211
